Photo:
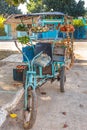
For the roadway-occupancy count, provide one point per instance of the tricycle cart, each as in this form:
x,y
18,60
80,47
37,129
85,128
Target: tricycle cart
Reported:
x,y
52,54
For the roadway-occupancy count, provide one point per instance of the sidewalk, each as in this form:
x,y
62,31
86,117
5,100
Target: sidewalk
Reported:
x,y
10,90
8,45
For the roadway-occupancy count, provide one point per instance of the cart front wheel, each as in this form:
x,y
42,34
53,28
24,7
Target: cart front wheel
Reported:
x,y
62,78
31,112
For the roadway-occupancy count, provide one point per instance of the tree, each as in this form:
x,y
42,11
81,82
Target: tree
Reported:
x,y
5,8
70,7
86,15
15,2
34,6
80,10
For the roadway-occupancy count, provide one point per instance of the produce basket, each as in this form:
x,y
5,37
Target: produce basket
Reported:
x,y
39,29
67,28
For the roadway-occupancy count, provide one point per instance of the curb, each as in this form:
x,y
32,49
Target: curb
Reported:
x,y
4,110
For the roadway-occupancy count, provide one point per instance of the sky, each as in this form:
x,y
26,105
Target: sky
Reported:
x,y
24,10
22,7
84,1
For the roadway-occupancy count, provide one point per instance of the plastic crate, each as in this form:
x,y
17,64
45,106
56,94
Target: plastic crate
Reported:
x,y
19,73
59,50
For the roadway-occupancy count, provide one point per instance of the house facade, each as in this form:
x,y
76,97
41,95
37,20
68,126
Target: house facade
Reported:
x,y
10,27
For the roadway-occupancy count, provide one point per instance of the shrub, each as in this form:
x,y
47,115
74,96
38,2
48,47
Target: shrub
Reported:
x,y
2,19
78,23
80,31
2,31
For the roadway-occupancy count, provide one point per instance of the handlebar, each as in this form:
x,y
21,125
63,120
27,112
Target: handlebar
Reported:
x,y
32,62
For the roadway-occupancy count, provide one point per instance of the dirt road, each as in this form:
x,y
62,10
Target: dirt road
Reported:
x,y
58,111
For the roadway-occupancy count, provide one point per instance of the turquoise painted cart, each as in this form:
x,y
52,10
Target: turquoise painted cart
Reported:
x,y
48,61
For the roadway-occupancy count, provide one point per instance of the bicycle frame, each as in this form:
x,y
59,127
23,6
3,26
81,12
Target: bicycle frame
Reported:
x,y
32,76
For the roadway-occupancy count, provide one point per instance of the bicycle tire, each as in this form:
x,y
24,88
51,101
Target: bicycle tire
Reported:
x,y
62,78
31,112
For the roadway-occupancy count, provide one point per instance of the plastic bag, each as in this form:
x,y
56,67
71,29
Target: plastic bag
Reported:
x,y
43,60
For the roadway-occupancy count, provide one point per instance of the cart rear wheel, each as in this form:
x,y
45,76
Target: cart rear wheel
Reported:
x,y
62,78
31,112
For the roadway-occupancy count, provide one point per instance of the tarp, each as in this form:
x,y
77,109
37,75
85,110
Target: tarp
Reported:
x,y
39,14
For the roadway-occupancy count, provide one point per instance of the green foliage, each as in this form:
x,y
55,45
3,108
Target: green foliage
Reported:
x,y
78,23
5,8
34,6
2,32
80,10
2,19
70,7
15,2
23,39
21,27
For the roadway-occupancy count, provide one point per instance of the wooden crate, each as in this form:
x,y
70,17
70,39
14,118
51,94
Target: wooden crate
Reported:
x,y
59,50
